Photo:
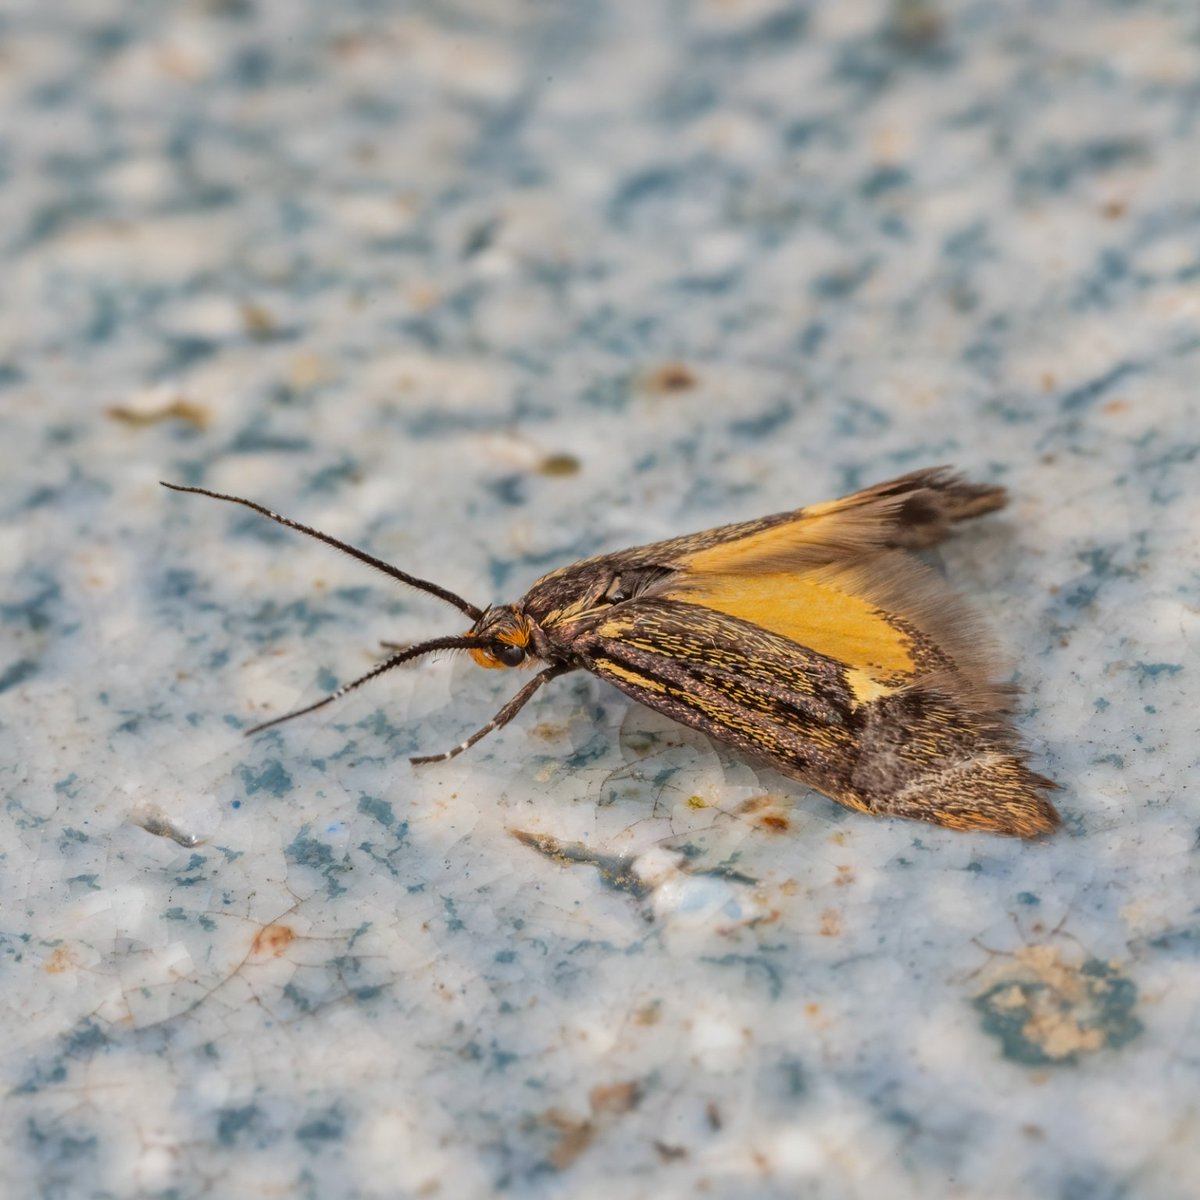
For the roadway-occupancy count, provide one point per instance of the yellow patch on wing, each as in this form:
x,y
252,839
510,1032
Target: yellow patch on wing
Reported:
x,y
821,610
911,512
865,687
815,534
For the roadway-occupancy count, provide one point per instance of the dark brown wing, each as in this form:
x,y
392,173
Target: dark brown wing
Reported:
x,y
913,751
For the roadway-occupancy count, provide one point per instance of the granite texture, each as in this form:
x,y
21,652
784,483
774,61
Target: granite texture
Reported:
x,y
486,286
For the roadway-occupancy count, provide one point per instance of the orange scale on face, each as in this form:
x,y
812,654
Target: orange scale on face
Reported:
x,y
517,634
485,658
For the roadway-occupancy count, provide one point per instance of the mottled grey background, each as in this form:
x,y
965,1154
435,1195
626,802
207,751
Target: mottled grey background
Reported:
x,y
487,286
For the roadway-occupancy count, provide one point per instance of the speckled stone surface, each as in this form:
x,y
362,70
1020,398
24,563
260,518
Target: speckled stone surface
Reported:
x,y
486,287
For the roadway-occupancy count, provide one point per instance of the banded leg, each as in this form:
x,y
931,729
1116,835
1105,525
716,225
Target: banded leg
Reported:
x,y
503,717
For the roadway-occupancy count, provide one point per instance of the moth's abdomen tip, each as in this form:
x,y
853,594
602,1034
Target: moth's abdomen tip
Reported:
x,y
1039,819
1028,817
996,794
1024,814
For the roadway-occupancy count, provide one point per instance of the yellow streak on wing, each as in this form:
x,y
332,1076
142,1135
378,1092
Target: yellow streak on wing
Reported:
x,y
821,613
570,612
611,668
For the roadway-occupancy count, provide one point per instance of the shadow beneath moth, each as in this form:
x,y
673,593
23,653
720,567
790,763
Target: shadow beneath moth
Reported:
x,y
812,640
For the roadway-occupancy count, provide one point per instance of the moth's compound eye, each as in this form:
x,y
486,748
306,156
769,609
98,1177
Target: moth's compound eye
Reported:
x,y
509,655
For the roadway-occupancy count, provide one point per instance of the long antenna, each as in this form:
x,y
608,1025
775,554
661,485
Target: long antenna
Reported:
x,y
420,584
446,643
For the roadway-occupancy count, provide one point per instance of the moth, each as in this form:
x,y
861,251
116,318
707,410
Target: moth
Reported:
x,y
814,641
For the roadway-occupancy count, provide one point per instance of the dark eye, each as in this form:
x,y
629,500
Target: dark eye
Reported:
x,y
509,655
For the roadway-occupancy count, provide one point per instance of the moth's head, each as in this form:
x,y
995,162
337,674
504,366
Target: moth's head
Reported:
x,y
506,634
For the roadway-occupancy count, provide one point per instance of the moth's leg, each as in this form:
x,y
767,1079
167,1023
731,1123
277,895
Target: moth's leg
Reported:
x,y
503,717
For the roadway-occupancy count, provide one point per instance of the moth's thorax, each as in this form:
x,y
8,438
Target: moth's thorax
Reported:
x,y
498,628
570,600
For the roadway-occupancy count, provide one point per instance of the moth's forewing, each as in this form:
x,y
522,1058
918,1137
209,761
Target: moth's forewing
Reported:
x,y
910,751
727,676
913,511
